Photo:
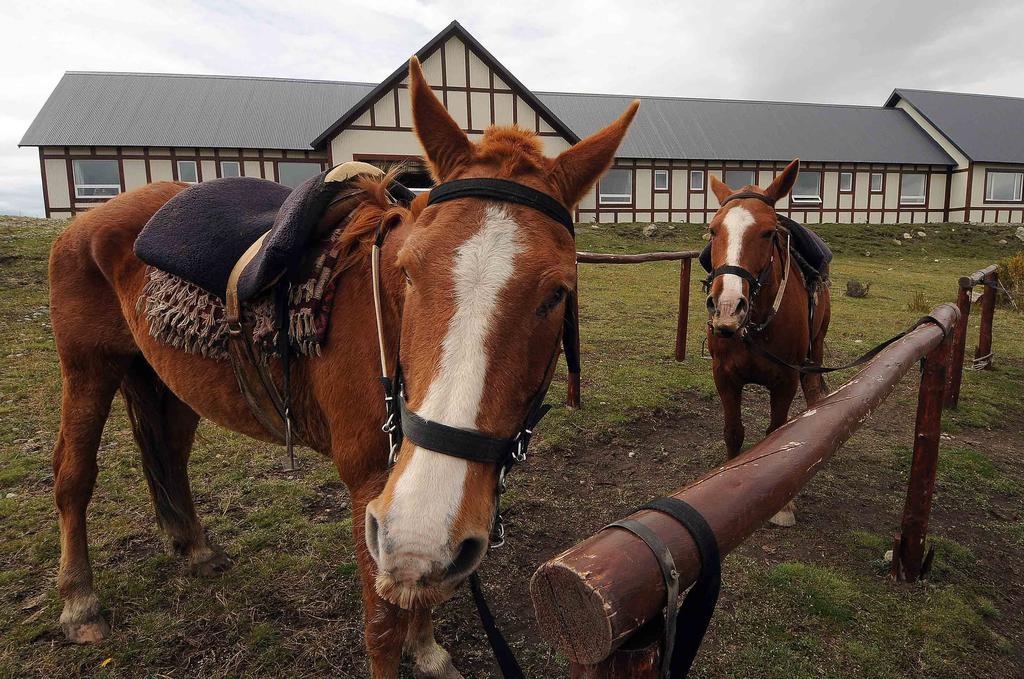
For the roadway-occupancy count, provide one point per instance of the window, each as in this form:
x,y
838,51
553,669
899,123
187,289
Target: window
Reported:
x,y
96,178
661,180
912,188
188,171
293,174
876,182
737,179
696,180
616,187
1003,187
807,188
845,182
230,168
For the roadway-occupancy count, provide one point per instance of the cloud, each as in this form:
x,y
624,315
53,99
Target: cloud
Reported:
x,y
784,50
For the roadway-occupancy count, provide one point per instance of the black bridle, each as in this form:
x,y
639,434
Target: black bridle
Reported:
x,y
471,444
755,281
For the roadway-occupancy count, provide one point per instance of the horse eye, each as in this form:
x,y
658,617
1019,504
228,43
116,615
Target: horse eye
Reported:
x,y
767,234
551,302
712,232
408,279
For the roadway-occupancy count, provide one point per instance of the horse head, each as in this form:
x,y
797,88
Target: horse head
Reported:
x,y
485,296
743,238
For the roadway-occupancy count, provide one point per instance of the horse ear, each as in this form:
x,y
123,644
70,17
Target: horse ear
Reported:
x,y
783,184
576,169
720,188
446,145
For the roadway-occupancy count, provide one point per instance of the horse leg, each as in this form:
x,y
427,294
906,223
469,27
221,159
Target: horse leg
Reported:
x,y
89,386
164,428
731,395
782,394
386,624
814,386
430,660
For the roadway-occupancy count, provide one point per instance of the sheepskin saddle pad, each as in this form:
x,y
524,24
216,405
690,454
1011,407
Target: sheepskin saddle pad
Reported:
x,y
194,241
188,317
200,233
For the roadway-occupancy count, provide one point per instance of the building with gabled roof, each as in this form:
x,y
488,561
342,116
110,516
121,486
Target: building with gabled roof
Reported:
x,y
103,133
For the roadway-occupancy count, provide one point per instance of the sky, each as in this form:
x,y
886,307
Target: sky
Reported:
x,y
815,51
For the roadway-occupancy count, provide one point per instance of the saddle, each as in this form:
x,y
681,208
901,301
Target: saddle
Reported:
x,y
811,253
236,238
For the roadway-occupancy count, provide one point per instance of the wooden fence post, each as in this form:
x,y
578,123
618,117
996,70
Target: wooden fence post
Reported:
x,y
955,374
684,309
983,354
908,559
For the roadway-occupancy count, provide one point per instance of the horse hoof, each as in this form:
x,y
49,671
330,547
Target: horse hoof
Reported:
x,y
786,519
448,673
213,562
435,663
90,631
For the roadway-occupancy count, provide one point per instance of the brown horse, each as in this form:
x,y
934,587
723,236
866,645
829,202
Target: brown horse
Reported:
x,y
474,291
746,235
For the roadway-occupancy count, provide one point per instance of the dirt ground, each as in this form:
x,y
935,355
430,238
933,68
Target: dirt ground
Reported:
x,y
612,475
810,601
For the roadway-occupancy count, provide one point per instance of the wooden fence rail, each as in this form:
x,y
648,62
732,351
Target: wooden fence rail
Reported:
x,y
593,598
573,387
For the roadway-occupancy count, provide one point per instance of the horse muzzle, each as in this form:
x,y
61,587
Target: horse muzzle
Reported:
x,y
727,317
412,572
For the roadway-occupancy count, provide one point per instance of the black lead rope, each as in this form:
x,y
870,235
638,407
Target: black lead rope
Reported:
x,y
503,654
748,339
683,634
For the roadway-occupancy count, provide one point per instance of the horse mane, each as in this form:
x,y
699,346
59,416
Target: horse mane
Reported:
x,y
514,150
374,209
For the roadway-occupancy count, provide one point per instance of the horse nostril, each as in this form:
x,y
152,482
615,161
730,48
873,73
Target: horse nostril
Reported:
x,y
710,304
470,553
373,536
741,306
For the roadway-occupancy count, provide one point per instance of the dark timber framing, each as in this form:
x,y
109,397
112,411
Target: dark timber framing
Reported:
x,y
268,159
392,83
699,206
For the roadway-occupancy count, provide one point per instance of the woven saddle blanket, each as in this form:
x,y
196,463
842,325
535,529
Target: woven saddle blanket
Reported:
x,y
187,317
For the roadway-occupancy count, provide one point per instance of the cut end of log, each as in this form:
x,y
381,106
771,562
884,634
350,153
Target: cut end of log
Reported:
x,y
564,605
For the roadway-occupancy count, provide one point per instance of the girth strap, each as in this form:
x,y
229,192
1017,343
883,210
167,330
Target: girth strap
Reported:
x,y
682,637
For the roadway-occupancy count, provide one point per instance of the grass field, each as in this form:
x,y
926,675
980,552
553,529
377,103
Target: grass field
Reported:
x,y
804,602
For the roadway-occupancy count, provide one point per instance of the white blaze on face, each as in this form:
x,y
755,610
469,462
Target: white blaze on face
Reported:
x,y
735,224
428,493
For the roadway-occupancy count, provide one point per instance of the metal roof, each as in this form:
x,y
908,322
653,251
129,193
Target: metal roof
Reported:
x,y
983,127
717,129
145,109
148,109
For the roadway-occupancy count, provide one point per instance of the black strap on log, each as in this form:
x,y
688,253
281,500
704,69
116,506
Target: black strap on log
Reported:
x,y
682,637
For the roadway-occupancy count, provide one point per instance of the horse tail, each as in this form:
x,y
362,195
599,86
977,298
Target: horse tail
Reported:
x,y
164,429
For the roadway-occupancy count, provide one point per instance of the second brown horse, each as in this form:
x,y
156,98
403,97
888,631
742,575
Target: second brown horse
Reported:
x,y
745,234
